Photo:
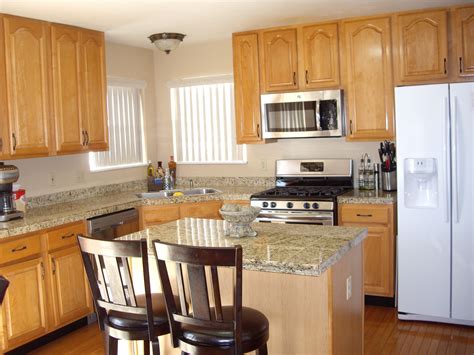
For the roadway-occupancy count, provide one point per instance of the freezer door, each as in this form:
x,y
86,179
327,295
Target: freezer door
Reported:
x,y
462,134
424,242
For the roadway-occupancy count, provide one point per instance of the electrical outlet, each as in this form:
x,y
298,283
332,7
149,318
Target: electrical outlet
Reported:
x,y
348,288
263,164
52,179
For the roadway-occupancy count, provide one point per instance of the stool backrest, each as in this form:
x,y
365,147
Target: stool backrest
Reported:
x,y
108,271
204,294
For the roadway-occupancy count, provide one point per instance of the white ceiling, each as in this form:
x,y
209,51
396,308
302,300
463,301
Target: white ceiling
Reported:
x,y
131,22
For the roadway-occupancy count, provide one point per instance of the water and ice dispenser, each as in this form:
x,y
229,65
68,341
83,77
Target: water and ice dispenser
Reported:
x,y
421,183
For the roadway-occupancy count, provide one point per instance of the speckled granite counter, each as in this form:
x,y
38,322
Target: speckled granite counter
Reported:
x,y
283,248
79,209
368,197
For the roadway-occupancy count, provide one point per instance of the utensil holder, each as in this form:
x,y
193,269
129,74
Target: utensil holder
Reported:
x,y
389,180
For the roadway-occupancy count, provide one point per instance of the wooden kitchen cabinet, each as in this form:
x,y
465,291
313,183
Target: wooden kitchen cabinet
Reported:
x,y
4,131
319,56
379,246
66,54
367,67
421,47
280,60
208,209
463,42
246,88
94,90
28,71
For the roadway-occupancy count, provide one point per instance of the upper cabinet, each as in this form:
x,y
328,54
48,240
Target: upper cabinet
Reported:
x,y
421,47
246,88
4,132
28,71
94,89
368,79
463,41
280,60
320,56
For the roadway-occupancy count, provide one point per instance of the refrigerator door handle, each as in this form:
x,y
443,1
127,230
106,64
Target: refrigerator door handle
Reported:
x,y
446,152
454,159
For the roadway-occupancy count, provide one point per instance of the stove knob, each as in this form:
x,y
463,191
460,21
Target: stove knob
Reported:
x,y
306,205
289,205
315,206
273,204
265,204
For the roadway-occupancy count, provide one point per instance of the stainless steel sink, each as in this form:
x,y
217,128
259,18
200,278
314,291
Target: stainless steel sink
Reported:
x,y
188,192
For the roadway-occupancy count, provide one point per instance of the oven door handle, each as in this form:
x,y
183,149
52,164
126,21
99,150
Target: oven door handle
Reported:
x,y
319,221
289,215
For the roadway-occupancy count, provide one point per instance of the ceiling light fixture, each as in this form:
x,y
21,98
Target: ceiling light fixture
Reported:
x,y
166,41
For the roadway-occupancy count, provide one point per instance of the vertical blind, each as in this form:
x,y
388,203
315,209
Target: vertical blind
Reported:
x,y
125,122
204,125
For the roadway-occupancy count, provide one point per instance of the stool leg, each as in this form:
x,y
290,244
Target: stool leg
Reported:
x,y
146,347
110,345
155,345
262,350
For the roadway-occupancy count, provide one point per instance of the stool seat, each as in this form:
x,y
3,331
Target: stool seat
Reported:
x,y
254,329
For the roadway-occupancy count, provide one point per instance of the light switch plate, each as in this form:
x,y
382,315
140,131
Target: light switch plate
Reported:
x,y
349,288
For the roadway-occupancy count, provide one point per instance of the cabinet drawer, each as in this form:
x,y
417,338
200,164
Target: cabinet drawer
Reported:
x,y
364,214
208,209
159,214
65,236
20,248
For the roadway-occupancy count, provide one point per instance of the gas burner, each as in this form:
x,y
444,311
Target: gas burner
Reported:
x,y
302,192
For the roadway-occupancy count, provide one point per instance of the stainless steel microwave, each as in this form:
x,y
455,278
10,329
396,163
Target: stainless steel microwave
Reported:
x,y
303,114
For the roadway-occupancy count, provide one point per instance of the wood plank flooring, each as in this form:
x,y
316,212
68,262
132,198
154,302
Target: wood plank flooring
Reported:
x,y
384,334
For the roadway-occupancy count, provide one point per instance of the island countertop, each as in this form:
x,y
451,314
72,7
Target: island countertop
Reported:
x,y
284,248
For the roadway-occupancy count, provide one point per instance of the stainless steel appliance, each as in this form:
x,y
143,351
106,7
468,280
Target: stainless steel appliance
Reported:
x,y
113,225
303,114
306,191
8,175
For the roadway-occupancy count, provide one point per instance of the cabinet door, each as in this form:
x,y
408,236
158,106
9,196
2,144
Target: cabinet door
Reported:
x,y
280,60
246,88
368,71
463,31
4,132
153,215
23,309
27,54
421,41
71,296
94,90
67,89
208,209
320,56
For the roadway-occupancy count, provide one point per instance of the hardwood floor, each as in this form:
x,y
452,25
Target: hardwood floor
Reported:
x,y
384,334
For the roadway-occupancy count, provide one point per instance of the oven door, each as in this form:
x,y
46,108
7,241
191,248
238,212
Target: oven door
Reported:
x,y
323,218
302,114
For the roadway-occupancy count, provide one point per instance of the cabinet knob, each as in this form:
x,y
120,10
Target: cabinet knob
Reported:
x,y
460,64
445,68
294,78
258,130
306,77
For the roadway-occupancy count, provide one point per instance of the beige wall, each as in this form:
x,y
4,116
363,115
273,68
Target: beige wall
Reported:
x,y
216,59
72,171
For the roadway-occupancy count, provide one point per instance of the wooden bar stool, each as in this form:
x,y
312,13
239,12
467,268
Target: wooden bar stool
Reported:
x,y
208,327
3,287
121,313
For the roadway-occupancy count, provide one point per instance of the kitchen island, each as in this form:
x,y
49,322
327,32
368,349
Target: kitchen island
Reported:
x,y
306,279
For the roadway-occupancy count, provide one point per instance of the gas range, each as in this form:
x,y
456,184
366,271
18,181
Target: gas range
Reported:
x,y
306,191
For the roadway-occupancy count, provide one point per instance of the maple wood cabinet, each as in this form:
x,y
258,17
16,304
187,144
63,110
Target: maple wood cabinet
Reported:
x,y
367,67
4,131
319,57
463,42
247,88
421,46
28,72
379,246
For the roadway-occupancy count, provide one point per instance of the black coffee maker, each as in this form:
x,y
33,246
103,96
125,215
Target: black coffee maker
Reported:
x,y
8,175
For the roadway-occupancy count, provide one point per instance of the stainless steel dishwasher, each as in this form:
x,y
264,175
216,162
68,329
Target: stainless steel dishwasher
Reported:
x,y
113,225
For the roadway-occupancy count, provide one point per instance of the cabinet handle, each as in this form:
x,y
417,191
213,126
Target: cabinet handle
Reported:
x,y
42,270
14,141
258,130
87,138
445,69
306,77
350,126
83,137
67,236
294,78
363,215
460,64
1,144
18,248
54,266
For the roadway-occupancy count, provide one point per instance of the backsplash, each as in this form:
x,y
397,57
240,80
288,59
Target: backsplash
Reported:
x,y
211,181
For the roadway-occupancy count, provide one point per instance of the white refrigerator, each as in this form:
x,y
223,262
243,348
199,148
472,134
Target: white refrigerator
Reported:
x,y
435,158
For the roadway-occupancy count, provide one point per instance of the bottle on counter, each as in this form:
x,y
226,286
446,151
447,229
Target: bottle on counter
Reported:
x,y
172,167
150,172
160,172
168,180
361,174
369,177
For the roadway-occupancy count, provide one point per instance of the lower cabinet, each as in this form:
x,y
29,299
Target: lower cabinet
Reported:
x,y
379,246
48,286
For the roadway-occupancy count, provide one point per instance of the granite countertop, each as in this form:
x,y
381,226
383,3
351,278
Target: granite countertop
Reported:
x,y
53,215
283,248
368,197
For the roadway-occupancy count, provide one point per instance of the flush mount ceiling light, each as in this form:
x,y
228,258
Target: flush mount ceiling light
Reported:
x,y
167,41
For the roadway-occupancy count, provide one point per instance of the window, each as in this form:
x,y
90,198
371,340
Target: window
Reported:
x,y
202,114
125,121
